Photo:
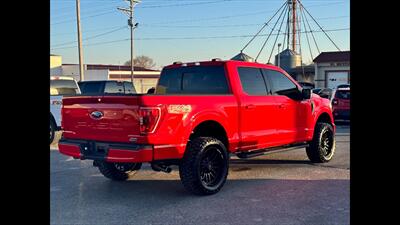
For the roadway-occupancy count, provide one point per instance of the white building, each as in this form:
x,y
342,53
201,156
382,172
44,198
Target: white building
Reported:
x,y
55,65
332,69
144,79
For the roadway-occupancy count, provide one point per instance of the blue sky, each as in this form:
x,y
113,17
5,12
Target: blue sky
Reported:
x,y
207,27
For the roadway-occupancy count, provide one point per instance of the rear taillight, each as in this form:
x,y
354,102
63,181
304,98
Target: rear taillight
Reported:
x,y
335,102
149,117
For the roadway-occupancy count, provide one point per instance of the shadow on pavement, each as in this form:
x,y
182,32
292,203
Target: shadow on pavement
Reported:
x,y
101,201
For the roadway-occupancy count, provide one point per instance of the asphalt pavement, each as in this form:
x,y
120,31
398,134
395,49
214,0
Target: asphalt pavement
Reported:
x,y
280,188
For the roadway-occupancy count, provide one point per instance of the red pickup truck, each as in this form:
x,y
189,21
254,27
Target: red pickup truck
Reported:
x,y
199,115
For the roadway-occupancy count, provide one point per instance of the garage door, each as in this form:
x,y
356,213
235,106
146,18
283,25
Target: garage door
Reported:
x,y
336,78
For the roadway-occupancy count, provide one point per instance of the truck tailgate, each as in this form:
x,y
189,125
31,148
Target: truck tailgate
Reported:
x,y
105,118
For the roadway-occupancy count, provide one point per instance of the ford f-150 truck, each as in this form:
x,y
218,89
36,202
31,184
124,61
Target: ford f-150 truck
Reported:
x,y
200,114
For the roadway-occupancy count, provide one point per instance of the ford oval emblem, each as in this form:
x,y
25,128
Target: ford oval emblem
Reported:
x,y
96,115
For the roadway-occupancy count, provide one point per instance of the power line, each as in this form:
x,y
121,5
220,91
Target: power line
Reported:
x,y
309,27
305,29
188,26
194,38
266,24
86,31
279,30
319,26
231,16
92,37
191,20
265,42
85,17
183,4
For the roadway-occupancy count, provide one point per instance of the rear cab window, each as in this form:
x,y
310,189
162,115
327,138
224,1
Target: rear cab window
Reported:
x,y
207,80
92,87
252,80
129,88
114,87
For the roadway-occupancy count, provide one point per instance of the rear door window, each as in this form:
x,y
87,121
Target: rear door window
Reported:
x,y
252,80
193,80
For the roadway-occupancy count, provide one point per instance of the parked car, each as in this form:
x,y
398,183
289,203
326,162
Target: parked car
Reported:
x,y
59,86
307,85
341,103
316,90
102,87
326,93
199,114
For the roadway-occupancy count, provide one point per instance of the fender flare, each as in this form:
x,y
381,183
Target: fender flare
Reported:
x,y
204,116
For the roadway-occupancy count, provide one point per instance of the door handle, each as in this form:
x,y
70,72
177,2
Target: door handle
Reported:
x,y
282,106
250,106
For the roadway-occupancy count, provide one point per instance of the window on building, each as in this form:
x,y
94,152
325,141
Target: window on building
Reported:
x,y
252,81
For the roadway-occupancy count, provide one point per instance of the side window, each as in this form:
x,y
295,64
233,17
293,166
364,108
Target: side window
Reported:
x,y
114,87
252,81
281,85
206,80
129,88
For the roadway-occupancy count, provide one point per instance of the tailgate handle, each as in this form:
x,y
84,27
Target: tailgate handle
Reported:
x,y
282,106
251,106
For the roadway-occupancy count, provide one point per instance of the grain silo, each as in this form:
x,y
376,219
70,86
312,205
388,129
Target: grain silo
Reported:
x,y
288,60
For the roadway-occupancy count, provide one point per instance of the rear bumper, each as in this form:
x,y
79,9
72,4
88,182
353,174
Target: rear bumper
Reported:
x,y
104,151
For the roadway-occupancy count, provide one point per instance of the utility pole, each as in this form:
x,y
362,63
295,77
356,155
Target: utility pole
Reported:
x,y
78,21
129,12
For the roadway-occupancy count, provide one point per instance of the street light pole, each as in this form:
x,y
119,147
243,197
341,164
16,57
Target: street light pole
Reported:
x,y
78,21
129,12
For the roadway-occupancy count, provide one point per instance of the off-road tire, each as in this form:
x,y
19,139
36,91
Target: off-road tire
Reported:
x,y
52,131
110,171
199,151
316,151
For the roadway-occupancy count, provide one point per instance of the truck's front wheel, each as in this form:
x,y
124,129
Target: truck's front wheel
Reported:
x,y
204,167
322,147
117,171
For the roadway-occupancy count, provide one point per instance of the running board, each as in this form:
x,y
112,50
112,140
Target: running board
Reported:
x,y
246,155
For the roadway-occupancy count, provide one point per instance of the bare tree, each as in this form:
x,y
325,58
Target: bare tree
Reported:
x,y
142,61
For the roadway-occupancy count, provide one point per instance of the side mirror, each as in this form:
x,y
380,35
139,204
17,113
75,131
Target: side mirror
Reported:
x,y
306,93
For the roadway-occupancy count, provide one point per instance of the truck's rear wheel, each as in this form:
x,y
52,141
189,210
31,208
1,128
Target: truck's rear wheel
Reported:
x,y
322,147
117,171
204,167
52,131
